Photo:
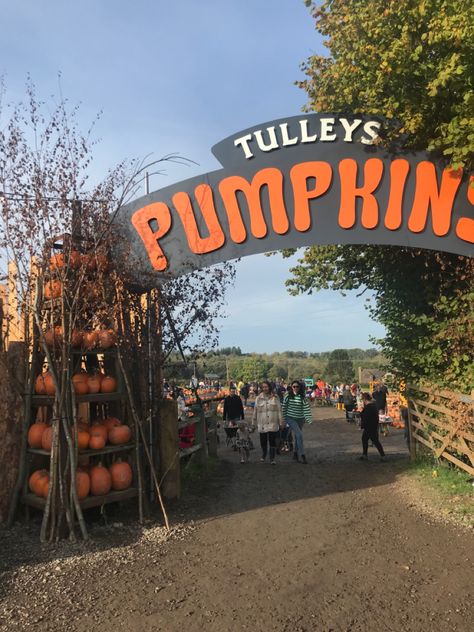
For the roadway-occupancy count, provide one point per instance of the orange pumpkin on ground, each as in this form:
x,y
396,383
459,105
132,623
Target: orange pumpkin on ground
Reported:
x,y
122,475
37,480
47,439
35,434
89,339
101,480
119,435
108,384
79,382
52,289
83,484
93,382
107,338
83,439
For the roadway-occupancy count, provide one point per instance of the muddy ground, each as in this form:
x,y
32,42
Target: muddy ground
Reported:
x,y
332,546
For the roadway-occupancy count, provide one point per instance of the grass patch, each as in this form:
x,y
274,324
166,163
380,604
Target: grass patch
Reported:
x,y
452,488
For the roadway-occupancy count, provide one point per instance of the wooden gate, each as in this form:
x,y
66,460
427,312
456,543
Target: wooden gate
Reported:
x,y
443,422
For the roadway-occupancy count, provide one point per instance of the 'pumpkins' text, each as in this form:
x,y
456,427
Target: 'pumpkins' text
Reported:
x,y
310,180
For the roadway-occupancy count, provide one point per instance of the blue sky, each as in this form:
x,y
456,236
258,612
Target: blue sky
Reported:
x,y
179,77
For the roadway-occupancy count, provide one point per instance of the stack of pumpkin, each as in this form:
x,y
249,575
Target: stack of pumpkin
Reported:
x,y
96,480
84,383
95,437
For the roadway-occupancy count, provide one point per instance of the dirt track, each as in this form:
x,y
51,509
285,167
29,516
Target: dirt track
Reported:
x,y
332,546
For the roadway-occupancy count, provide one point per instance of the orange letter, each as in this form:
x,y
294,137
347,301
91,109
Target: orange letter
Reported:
x,y
299,174
441,201
157,212
465,225
399,170
200,245
272,178
373,171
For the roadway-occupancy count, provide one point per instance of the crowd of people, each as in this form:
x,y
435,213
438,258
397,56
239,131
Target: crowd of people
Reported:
x,y
279,412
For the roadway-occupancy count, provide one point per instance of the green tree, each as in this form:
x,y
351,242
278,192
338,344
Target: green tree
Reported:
x,y
412,61
339,367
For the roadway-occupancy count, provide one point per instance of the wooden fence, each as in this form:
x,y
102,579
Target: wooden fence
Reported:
x,y
443,422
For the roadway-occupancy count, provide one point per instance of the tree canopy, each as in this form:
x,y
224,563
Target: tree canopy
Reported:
x,y
412,61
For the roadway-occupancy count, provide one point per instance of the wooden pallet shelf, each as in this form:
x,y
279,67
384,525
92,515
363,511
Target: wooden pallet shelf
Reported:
x,y
110,449
103,398
91,501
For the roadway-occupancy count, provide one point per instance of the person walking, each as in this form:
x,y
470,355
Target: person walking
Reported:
x,y
297,411
233,413
370,427
268,420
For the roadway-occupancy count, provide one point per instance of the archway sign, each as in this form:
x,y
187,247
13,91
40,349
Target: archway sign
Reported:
x,y
298,181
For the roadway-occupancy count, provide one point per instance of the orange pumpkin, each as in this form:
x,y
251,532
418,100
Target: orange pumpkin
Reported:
x,y
121,474
47,439
35,434
49,337
49,383
96,442
89,339
52,289
101,480
79,382
99,429
112,422
37,480
58,335
83,439
72,258
40,384
107,338
93,382
119,435
76,338
108,384
83,484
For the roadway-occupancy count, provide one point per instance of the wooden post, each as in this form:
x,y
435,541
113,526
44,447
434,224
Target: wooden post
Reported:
x,y
168,445
3,316
411,438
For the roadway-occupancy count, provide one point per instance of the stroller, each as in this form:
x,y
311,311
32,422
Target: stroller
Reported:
x,y
285,441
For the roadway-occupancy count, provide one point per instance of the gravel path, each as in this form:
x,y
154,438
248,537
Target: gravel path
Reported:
x,y
332,546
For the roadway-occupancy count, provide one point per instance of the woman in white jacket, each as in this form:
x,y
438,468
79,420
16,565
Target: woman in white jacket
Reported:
x,y
267,418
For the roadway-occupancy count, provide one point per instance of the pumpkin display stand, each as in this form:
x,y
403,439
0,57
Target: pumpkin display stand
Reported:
x,y
89,405
92,446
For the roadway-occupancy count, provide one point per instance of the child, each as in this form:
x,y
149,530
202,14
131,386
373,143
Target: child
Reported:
x,y
243,442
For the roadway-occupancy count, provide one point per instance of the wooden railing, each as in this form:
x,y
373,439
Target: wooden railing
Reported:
x,y
443,422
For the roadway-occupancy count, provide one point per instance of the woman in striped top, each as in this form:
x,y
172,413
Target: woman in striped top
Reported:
x,y
296,411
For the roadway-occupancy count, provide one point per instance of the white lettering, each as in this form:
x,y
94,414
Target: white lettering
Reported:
x,y
243,141
305,138
285,136
371,132
326,129
350,128
272,136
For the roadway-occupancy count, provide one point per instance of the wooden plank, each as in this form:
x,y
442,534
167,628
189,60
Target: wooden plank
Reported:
x,y
443,393
91,501
3,315
458,463
441,424
107,450
456,447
